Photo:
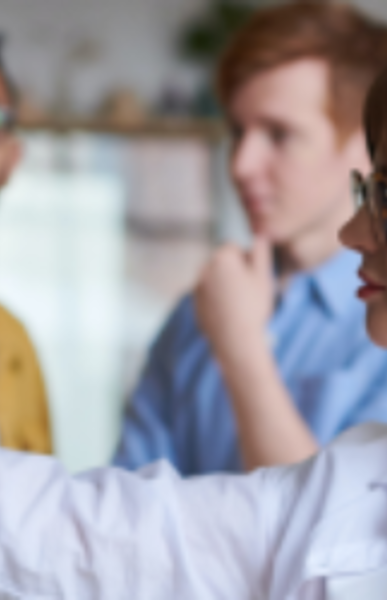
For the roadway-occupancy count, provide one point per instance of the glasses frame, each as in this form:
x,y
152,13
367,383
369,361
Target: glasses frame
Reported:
x,y
371,192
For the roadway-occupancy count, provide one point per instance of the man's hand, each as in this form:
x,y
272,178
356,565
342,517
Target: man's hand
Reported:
x,y
234,298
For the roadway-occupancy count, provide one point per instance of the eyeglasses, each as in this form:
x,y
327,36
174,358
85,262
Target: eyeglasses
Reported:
x,y
371,192
7,119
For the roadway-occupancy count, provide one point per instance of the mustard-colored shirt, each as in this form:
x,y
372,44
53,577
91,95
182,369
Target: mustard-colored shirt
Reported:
x,y
24,418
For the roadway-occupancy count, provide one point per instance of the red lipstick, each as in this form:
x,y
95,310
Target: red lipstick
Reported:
x,y
370,288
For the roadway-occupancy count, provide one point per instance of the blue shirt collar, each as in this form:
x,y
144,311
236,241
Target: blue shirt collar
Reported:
x,y
335,282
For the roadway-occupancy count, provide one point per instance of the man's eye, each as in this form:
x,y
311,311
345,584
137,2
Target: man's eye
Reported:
x,y
279,135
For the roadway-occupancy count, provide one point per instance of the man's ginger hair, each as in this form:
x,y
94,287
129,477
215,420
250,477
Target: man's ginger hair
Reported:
x,y
353,46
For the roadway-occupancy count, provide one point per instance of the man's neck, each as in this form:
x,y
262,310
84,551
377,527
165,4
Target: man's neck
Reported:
x,y
308,250
305,254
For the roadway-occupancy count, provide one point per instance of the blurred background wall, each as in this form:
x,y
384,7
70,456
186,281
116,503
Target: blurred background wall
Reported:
x,y
133,43
121,195
131,40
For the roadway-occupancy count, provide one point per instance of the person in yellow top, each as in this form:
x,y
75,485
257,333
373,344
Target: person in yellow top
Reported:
x,y
24,420
24,417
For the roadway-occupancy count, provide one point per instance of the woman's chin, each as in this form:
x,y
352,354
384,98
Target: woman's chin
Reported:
x,y
377,323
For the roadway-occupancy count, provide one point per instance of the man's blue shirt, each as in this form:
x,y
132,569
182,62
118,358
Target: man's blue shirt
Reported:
x,y
181,409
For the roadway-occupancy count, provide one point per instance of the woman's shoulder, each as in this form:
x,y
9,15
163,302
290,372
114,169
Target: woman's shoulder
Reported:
x,y
328,510
349,464
334,479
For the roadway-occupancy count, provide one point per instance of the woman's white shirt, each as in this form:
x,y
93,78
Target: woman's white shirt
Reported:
x,y
311,532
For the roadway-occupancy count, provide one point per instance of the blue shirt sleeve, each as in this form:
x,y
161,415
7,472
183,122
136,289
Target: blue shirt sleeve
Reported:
x,y
147,433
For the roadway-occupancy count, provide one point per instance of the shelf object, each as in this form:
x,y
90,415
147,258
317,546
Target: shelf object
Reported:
x,y
209,130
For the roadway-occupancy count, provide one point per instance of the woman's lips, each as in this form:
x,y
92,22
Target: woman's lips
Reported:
x,y
370,288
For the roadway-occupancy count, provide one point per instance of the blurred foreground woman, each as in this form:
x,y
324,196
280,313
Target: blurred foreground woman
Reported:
x,y
316,531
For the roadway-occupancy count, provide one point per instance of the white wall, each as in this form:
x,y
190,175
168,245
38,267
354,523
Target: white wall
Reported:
x,y
376,8
135,36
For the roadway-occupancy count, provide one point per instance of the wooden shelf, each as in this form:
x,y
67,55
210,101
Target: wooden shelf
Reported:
x,y
209,130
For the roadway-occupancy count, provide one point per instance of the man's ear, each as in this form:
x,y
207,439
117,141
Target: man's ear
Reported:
x,y
356,152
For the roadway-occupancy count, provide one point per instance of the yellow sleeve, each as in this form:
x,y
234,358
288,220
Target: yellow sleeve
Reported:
x,y
24,416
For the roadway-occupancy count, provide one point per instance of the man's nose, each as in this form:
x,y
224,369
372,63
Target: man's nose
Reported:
x,y
250,159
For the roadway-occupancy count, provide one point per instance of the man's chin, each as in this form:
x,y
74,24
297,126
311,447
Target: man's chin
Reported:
x,y
268,231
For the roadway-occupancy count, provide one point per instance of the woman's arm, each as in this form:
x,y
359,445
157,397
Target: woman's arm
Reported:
x,y
110,534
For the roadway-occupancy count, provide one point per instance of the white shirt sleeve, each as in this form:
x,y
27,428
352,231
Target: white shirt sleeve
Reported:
x,y
151,535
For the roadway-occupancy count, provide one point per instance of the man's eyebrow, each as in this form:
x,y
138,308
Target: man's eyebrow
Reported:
x,y
276,122
266,121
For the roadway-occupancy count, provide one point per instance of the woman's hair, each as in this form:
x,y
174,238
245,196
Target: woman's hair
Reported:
x,y
375,115
352,45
